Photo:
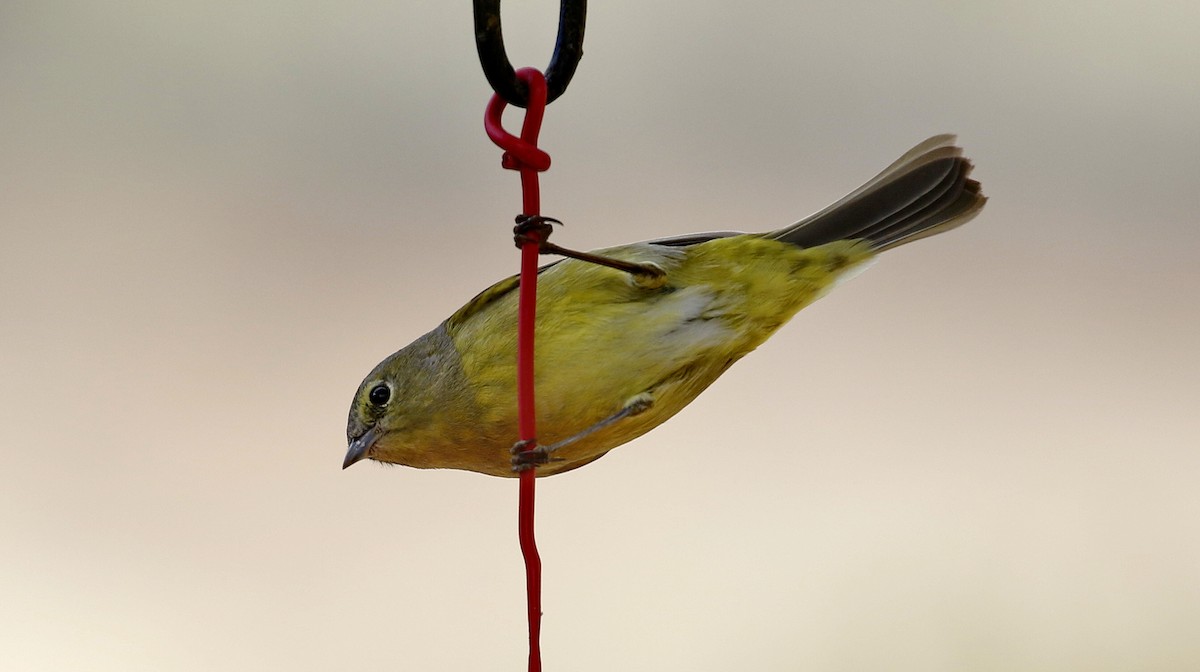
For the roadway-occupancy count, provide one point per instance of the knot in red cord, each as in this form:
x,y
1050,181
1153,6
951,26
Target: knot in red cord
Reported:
x,y
520,153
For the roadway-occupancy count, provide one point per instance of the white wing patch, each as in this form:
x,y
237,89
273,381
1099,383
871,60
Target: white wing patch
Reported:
x,y
686,322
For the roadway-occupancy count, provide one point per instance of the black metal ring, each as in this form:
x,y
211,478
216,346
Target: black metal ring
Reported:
x,y
489,40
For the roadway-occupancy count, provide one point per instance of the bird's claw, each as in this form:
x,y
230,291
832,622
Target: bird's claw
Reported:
x,y
533,224
524,457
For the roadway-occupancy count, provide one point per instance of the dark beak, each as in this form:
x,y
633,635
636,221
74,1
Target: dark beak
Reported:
x,y
360,446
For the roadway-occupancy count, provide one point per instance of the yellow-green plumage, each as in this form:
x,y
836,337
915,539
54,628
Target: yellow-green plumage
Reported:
x,y
604,338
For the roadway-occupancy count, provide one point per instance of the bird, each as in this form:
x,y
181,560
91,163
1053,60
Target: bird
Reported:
x,y
625,344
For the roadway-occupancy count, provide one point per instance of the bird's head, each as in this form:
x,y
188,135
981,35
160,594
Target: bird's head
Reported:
x,y
410,405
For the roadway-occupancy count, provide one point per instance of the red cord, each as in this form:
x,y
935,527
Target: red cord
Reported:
x,y
521,154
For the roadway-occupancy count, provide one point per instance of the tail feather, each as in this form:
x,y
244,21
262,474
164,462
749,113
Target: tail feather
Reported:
x,y
925,192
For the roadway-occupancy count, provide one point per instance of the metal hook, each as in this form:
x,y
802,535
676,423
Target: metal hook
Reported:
x,y
489,40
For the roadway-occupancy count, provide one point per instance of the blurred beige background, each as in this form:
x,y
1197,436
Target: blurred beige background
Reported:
x,y
215,217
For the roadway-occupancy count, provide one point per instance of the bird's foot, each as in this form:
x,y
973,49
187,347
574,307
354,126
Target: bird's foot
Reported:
x,y
534,224
525,457
537,229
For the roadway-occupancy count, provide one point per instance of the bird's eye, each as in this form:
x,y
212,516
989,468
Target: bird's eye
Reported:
x,y
380,394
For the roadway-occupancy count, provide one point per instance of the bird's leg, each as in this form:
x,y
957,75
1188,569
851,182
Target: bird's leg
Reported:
x,y
523,459
643,274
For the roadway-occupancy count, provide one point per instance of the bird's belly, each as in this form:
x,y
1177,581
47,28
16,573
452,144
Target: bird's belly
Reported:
x,y
669,396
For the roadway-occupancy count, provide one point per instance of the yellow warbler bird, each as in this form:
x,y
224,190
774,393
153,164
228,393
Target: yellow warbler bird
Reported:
x,y
620,351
